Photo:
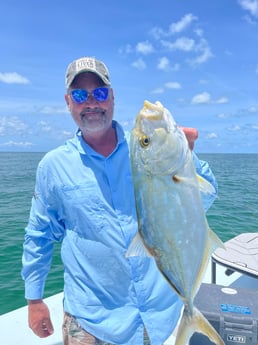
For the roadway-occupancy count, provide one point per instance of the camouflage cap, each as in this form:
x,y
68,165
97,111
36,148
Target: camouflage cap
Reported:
x,y
86,64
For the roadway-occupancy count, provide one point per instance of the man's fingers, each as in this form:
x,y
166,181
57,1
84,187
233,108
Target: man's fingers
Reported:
x,y
43,329
191,135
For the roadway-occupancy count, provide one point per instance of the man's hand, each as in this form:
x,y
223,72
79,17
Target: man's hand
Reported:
x,y
39,318
191,135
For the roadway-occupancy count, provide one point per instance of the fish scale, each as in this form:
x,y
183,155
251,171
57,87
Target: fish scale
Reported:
x,y
172,221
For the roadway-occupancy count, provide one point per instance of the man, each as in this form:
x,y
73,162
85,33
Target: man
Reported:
x,y
84,197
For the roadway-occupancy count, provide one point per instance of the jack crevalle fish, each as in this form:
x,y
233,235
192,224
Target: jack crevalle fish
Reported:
x,y
172,222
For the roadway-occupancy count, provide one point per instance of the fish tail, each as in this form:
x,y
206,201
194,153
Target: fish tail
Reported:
x,y
196,322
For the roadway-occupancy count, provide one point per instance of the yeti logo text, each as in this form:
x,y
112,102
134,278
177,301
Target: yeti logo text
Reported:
x,y
236,339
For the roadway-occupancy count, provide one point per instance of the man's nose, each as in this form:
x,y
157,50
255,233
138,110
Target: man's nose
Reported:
x,y
91,98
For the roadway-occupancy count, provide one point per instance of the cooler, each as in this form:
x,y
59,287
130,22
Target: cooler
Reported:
x,y
233,312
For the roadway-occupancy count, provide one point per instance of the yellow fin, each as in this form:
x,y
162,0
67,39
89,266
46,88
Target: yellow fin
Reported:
x,y
196,322
205,186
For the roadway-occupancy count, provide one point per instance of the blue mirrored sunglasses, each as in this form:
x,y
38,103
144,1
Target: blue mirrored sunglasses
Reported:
x,y
81,95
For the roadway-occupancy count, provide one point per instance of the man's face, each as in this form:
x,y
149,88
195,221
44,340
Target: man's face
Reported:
x,y
91,116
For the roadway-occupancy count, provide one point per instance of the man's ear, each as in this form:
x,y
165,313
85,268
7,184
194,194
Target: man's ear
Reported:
x,y
67,100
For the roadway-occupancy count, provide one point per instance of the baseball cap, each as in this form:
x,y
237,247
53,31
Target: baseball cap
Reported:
x,y
86,64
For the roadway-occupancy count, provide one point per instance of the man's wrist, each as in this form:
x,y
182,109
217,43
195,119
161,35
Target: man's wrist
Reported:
x,y
34,301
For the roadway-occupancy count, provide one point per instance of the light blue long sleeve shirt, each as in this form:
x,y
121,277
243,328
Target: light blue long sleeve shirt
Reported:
x,y
87,201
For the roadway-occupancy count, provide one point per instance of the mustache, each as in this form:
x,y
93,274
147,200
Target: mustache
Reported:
x,y
89,110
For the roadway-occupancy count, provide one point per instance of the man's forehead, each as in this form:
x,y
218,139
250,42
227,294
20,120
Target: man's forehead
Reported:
x,y
87,77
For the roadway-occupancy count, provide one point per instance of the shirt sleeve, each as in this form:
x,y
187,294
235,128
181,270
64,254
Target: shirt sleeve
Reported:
x,y
203,169
43,229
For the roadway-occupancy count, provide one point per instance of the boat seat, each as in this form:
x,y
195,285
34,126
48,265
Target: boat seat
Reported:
x,y
240,254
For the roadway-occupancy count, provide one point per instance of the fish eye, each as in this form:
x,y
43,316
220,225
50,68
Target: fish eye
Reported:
x,y
144,141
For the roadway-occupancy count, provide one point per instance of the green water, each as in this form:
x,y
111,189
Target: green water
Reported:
x,y
235,211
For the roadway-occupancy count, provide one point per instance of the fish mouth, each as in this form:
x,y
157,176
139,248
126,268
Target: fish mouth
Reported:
x,y
152,111
154,117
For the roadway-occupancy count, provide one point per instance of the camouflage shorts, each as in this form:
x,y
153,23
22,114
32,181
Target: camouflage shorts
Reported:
x,y
73,334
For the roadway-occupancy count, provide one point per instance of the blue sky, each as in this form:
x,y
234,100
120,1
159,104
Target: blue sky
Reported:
x,y
198,57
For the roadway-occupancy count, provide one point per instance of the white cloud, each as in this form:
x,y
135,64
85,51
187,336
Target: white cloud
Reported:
x,y
205,56
253,109
17,144
144,48
169,85
50,110
63,134
199,32
173,85
10,125
205,97
127,49
250,5
211,136
182,24
202,98
192,43
164,64
203,81
67,134
186,44
174,28
250,111
223,116
13,78
222,100
44,126
139,64
234,128
157,33
182,43
204,53
158,91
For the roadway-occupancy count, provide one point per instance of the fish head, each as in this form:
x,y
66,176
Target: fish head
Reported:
x,y
158,145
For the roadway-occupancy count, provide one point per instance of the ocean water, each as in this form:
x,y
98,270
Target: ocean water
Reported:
x,y
233,212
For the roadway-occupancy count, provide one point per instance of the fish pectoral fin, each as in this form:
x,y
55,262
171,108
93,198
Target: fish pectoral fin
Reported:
x,y
196,322
205,186
137,247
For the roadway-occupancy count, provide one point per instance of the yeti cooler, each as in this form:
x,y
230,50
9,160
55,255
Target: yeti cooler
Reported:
x,y
233,312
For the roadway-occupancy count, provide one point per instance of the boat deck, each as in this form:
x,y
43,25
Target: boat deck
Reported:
x,y
14,328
